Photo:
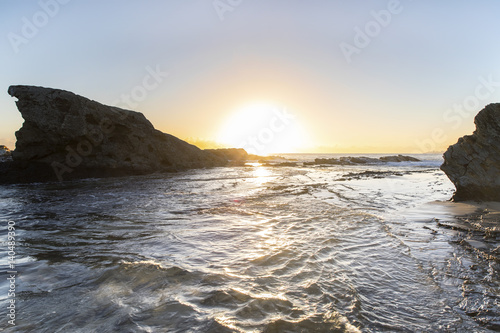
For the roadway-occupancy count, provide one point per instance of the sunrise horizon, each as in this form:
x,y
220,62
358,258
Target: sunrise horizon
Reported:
x,y
264,128
363,78
210,144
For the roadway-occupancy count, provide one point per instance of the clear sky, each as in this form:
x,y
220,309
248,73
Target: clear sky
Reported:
x,y
267,75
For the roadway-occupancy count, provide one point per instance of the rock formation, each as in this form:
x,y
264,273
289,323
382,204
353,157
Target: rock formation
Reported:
x,y
66,136
473,163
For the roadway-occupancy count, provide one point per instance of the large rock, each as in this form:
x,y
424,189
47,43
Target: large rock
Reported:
x,y
473,163
66,136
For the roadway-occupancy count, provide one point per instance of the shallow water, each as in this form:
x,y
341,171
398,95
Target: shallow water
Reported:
x,y
247,249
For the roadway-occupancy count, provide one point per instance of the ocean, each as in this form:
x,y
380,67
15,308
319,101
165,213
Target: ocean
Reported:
x,y
306,248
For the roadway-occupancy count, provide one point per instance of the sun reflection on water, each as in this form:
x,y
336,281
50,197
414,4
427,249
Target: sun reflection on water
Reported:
x,y
260,173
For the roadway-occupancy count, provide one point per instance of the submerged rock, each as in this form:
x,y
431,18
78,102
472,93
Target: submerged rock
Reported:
x,y
473,163
66,136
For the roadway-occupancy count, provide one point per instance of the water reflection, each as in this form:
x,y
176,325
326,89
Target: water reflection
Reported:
x,y
260,173
247,249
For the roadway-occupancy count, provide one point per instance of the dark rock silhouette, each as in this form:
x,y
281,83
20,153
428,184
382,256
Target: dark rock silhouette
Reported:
x,y
66,136
473,163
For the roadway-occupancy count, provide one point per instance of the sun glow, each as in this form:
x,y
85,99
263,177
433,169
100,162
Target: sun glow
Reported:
x,y
262,129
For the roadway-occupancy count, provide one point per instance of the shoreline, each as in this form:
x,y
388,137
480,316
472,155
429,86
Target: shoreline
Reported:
x,y
473,225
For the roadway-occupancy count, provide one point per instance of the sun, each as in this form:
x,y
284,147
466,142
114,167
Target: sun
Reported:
x,y
263,128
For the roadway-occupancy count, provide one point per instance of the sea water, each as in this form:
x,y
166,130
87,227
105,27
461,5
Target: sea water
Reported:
x,y
304,248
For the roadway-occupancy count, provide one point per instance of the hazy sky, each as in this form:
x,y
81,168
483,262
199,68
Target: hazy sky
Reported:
x,y
336,76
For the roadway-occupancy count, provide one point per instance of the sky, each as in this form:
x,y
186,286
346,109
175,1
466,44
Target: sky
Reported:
x,y
271,76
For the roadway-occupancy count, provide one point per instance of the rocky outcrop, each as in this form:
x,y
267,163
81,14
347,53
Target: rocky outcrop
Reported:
x,y
473,163
66,136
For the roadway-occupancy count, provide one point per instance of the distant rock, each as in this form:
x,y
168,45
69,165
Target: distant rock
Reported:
x,y
279,164
360,160
331,161
399,158
66,136
5,154
352,160
473,163
4,151
230,154
239,156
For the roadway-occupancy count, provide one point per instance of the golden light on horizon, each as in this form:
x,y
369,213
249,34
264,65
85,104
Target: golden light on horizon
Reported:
x,y
263,128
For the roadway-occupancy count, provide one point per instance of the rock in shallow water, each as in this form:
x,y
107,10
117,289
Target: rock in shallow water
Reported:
x,y
473,163
66,136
